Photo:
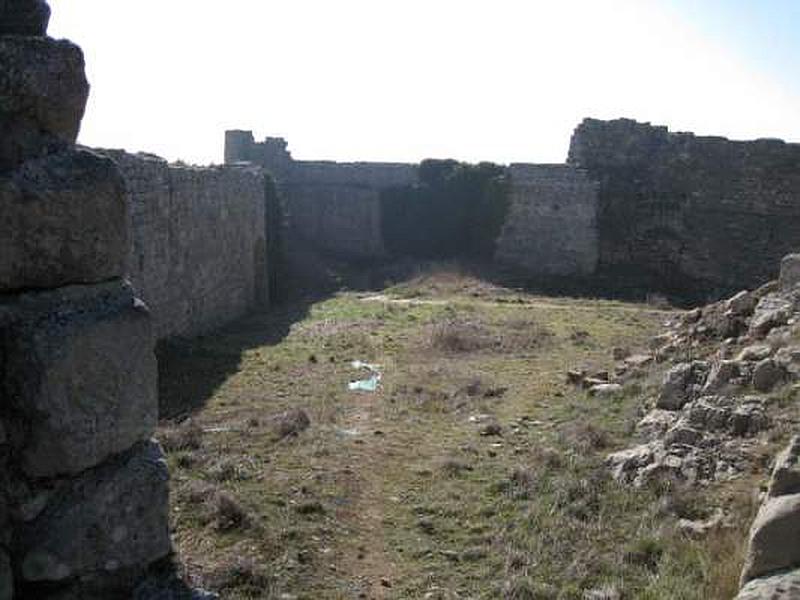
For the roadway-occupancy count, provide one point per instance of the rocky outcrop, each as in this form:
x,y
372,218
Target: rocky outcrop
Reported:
x,y
721,364
708,413
707,440
83,489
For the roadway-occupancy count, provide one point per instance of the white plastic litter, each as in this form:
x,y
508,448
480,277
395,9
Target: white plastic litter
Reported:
x,y
366,385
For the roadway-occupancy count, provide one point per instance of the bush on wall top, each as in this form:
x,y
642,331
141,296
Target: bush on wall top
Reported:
x,y
456,211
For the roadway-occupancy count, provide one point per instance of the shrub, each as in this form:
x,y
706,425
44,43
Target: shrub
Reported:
x,y
456,211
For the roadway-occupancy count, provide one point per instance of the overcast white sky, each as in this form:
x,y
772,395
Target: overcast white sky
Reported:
x,y
501,80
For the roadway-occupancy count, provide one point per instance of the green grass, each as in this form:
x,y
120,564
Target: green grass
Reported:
x,y
397,494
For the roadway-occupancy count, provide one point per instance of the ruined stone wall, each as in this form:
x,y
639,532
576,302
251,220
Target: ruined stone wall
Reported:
x,y
333,206
695,216
83,488
198,251
337,206
551,228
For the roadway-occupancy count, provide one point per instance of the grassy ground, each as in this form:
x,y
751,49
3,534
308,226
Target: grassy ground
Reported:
x,y
475,471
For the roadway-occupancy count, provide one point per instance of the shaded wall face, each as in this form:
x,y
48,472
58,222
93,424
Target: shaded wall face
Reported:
x,y
345,220
337,206
697,217
198,250
551,227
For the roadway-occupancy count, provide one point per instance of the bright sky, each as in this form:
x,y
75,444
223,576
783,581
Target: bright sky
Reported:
x,y
501,80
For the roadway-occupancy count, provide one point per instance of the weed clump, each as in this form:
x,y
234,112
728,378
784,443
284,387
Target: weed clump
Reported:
x,y
228,513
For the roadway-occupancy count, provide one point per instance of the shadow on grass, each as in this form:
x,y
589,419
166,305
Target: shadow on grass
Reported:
x,y
191,370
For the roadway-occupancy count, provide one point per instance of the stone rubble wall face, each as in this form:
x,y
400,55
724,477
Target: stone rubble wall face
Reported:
x,y
198,242
701,212
336,207
83,490
551,228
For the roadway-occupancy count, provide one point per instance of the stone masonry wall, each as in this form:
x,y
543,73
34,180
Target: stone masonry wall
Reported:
x,y
695,216
333,206
83,488
551,228
198,251
338,205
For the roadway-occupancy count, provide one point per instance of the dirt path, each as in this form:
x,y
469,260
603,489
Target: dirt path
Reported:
x,y
363,557
388,299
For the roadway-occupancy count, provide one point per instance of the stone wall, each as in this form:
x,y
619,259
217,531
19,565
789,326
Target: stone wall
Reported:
x,y
198,251
551,227
83,488
694,216
636,208
333,206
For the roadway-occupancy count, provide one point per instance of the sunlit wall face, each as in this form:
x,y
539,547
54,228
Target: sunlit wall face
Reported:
x,y
505,80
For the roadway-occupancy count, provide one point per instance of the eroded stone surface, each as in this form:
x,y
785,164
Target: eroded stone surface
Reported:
x,y
786,474
81,375
790,271
43,92
705,441
681,384
773,537
110,518
24,17
783,586
772,311
766,375
64,221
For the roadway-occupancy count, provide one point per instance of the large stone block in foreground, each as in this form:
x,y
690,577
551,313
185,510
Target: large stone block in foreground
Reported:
x,y
109,519
43,92
24,17
63,220
774,538
80,378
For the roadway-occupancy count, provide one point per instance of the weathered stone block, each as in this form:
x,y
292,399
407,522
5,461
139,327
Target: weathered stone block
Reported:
x,y
64,220
43,92
766,375
80,376
772,311
773,538
784,586
786,474
24,17
790,271
111,518
677,386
